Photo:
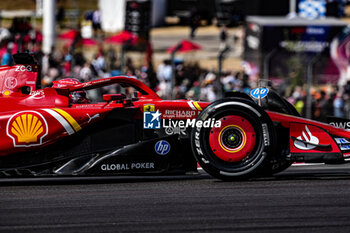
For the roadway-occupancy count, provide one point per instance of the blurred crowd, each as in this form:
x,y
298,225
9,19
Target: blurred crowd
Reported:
x,y
20,36
191,81
326,101
188,81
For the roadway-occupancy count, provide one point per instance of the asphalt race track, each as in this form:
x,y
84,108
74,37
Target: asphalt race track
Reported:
x,y
302,199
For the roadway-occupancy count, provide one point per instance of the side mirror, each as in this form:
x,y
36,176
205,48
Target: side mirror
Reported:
x,y
111,97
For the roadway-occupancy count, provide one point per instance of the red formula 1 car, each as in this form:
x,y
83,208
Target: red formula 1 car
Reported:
x,y
57,131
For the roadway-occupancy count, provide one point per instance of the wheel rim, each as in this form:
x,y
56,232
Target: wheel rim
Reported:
x,y
232,138
234,141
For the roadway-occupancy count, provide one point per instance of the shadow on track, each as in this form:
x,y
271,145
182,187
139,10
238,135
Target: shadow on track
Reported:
x,y
309,172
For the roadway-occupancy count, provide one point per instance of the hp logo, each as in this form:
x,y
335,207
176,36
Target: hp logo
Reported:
x,y
162,147
263,92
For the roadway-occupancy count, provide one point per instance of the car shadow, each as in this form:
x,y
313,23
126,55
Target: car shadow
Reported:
x,y
319,172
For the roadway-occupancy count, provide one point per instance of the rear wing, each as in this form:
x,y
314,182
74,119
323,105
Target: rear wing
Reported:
x,y
21,78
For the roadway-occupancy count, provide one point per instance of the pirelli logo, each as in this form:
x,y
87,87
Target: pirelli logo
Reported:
x,y
65,119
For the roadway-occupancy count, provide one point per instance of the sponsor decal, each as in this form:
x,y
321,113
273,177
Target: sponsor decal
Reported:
x,y
126,166
93,117
6,93
197,143
69,118
24,68
344,147
88,106
151,120
95,82
65,83
342,125
179,114
87,84
343,143
30,82
39,94
198,146
266,135
194,105
307,137
175,130
162,147
27,128
10,82
149,108
65,119
263,93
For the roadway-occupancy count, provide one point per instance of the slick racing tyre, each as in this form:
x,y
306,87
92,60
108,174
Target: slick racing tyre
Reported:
x,y
238,148
274,102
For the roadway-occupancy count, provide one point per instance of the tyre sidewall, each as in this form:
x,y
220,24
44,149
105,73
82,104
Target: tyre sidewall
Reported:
x,y
250,166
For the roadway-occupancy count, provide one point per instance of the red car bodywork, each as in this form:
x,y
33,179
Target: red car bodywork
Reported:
x,y
32,118
30,121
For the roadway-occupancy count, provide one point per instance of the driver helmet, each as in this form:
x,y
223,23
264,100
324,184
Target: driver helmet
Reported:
x,y
76,97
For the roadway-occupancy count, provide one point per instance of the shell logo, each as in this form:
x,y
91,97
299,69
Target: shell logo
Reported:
x,y
27,129
6,93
